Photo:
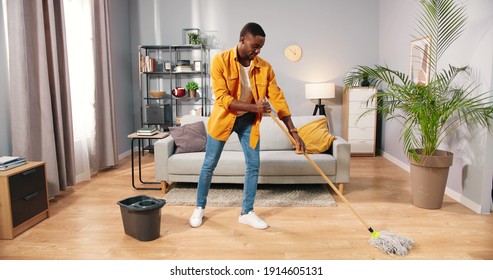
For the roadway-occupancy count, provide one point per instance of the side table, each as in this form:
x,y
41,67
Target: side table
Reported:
x,y
23,198
141,149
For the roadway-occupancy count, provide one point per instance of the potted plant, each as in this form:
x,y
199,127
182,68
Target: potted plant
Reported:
x,y
192,88
430,112
194,39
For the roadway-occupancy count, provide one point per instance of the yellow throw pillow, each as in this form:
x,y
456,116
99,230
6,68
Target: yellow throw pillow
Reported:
x,y
316,136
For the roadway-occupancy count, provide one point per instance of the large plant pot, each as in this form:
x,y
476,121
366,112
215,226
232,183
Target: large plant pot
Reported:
x,y
429,179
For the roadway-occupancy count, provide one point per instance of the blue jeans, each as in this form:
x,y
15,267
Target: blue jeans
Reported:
x,y
213,150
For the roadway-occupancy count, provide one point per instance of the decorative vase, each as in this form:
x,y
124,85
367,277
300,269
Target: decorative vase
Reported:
x,y
192,93
429,179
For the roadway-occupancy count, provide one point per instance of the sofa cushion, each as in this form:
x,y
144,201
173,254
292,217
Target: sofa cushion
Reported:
x,y
189,138
316,136
233,144
273,163
272,138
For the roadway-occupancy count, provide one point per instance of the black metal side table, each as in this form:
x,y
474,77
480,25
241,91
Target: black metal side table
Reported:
x,y
140,150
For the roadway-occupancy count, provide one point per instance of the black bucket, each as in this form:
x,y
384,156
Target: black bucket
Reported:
x,y
141,216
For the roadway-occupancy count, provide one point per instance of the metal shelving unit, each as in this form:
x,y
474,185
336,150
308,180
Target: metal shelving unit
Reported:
x,y
158,72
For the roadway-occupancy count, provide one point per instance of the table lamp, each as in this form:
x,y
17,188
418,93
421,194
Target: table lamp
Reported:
x,y
320,91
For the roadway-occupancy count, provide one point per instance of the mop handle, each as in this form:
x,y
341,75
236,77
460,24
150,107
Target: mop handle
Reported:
x,y
320,172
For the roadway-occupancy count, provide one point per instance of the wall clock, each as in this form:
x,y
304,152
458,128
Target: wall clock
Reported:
x,y
293,52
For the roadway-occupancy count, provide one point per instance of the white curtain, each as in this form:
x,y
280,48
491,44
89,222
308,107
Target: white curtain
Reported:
x,y
92,86
78,21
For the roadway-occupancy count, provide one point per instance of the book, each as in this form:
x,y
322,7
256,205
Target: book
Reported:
x,y
7,159
12,164
183,68
146,134
147,131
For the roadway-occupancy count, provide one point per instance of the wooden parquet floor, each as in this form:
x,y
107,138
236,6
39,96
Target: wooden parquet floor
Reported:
x,y
85,223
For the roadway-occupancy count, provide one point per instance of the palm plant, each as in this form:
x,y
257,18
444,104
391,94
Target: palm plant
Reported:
x,y
429,112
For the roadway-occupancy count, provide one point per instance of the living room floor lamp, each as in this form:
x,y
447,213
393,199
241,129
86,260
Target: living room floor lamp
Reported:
x,y
320,91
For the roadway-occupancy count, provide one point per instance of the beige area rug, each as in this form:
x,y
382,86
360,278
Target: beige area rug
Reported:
x,y
268,195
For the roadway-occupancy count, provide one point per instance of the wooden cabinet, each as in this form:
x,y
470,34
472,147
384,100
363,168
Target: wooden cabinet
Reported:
x,y
23,198
358,130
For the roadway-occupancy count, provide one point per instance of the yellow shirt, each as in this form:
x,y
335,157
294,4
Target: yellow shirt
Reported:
x,y
226,86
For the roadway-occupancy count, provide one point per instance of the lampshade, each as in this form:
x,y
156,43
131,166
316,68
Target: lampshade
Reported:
x,y
320,91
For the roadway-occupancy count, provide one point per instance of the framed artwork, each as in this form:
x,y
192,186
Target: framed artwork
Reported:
x,y
167,66
186,31
197,66
419,63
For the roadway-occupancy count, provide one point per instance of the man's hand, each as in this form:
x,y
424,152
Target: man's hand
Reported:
x,y
300,145
263,106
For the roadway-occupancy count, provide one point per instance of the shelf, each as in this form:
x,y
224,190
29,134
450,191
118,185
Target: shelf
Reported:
x,y
175,73
173,47
166,110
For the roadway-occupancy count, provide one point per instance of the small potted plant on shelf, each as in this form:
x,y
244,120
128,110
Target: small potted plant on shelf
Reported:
x,y
430,112
194,39
192,88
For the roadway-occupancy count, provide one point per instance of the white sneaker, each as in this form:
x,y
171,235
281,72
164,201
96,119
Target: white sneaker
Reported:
x,y
252,220
196,219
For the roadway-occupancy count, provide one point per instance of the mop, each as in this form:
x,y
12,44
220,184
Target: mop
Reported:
x,y
388,242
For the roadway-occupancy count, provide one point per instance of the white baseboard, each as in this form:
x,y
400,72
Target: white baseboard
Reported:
x,y
451,193
463,200
124,155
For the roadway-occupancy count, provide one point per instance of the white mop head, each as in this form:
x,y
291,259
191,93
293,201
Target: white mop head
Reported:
x,y
391,243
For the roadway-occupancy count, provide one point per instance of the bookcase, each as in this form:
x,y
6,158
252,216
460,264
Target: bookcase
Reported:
x,y
163,68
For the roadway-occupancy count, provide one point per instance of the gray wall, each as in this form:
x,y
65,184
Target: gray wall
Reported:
x,y
122,58
334,35
471,174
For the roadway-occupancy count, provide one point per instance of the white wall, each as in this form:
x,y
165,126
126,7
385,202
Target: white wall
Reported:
x,y
335,35
471,174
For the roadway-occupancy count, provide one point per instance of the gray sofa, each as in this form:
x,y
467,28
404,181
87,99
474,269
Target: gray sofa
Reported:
x,y
279,163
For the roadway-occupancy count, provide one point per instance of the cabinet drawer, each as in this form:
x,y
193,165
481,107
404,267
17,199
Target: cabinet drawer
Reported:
x,y
361,133
368,120
362,146
361,94
358,107
29,206
26,183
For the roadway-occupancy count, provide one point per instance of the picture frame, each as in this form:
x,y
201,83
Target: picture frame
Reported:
x,y
185,32
197,66
419,62
167,66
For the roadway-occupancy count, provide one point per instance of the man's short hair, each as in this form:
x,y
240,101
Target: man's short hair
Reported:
x,y
252,28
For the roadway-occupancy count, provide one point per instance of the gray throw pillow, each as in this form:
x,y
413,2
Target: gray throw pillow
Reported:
x,y
189,138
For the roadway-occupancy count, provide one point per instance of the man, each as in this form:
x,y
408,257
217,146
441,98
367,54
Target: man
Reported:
x,y
241,82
